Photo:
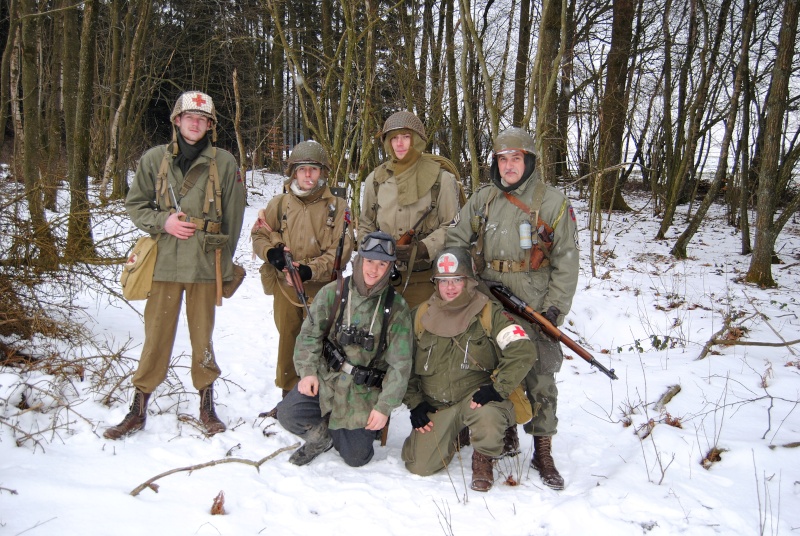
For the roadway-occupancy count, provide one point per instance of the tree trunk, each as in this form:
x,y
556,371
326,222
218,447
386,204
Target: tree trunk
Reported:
x,y
80,244
614,107
679,249
43,241
521,66
760,271
5,68
543,83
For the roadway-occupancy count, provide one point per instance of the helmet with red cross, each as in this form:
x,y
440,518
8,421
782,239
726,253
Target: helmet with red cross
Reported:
x,y
453,262
195,102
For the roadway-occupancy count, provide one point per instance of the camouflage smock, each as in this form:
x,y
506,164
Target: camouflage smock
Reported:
x,y
350,404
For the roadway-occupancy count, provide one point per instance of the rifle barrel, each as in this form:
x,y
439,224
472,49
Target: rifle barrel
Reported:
x,y
517,305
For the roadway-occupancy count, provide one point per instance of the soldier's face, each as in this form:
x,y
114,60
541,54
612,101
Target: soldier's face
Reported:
x,y
401,143
192,126
373,270
307,176
450,287
511,166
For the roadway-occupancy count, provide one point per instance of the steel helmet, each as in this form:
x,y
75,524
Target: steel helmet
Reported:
x,y
308,152
514,139
453,262
195,102
400,120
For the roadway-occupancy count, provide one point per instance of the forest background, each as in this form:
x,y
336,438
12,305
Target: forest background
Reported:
x,y
687,99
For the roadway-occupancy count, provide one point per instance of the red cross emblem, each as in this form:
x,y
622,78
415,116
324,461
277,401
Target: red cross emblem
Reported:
x,y
199,100
519,331
447,264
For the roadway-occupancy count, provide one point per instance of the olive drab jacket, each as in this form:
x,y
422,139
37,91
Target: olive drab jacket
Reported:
x,y
350,404
311,228
448,370
554,283
383,211
187,261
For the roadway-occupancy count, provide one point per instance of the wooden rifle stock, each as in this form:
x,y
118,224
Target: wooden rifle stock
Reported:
x,y
406,238
519,307
297,283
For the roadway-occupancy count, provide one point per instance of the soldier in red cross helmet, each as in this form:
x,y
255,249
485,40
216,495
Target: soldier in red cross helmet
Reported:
x,y
189,197
470,359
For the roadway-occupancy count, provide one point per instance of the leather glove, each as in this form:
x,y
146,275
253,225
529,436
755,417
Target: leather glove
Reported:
x,y
552,314
403,253
419,415
486,394
305,272
276,258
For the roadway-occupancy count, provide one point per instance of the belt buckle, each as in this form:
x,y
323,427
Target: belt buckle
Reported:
x,y
347,368
505,266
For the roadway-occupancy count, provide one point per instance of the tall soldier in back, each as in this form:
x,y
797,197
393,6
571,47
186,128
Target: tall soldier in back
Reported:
x,y
411,188
307,220
190,195
523,234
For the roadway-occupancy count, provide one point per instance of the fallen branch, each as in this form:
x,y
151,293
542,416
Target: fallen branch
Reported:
x,y
732,342
710,342
256,464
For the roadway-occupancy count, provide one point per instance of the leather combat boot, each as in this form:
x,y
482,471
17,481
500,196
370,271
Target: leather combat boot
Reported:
x,y
134,420
318,440
462,440
543,462
208,415
482,472
511,442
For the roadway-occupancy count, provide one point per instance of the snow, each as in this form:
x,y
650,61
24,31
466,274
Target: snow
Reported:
x,y
741,399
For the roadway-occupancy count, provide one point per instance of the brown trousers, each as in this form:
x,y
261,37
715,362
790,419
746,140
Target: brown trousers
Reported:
x,y
161,314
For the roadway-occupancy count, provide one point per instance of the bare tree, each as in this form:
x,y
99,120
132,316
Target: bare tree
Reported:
x,y
774,173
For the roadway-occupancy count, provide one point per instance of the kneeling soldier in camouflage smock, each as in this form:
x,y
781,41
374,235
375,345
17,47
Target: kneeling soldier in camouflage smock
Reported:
x,y
470,356
353,360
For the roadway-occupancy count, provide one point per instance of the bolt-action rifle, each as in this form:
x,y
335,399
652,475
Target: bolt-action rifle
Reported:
x,y
520,308
337,261
297,283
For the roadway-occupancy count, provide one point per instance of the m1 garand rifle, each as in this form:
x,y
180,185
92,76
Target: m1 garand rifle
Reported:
x,y
517,306
297,283
337,261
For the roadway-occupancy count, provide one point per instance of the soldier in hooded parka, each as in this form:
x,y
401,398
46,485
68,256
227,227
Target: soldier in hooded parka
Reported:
x,y
410,188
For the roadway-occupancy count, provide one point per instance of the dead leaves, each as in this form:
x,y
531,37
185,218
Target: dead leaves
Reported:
x,y
218,508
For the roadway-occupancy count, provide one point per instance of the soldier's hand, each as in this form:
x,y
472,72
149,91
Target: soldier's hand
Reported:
x,y
403,253
308,386
376,420
484,395
305,272
177,228
276,258
552,314
419,417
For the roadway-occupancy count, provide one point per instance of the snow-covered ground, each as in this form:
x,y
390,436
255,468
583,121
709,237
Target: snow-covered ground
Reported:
x,y
642,313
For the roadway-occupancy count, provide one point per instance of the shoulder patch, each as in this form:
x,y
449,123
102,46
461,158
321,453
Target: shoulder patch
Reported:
x,y
510,334
508,315
238,176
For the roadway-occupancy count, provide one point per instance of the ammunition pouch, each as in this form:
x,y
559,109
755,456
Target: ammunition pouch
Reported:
x,y
335,359
214,241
